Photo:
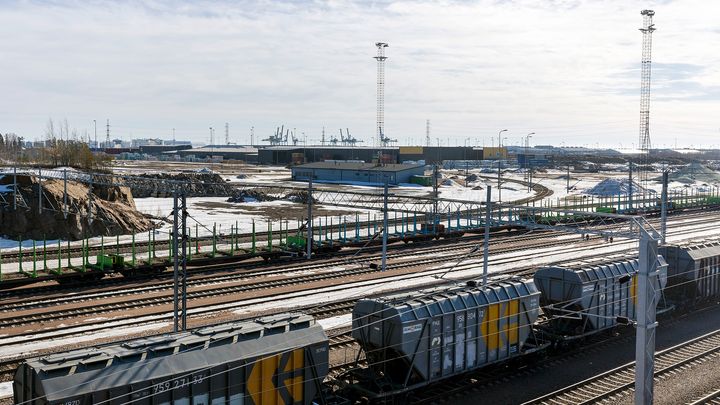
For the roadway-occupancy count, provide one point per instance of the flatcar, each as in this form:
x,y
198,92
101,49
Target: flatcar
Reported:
x,y
414,340
274,360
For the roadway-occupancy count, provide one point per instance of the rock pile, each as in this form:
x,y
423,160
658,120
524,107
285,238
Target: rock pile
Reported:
x,y
191,184
112,211
241,196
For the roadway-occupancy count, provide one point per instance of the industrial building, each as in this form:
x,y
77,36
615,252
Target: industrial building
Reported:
x,y
287,155
357,172
223,152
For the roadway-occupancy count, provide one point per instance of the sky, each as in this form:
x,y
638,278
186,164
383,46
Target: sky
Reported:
x,y
567,70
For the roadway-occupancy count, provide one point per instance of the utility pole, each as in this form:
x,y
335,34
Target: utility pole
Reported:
x,y
309,241
630,187
499,156
252,136
651,265
381,91
663,207
385,226
647,30
227,133
486,242
322,139
95,124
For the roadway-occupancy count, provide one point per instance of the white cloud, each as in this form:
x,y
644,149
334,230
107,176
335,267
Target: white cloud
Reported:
x,y
563,69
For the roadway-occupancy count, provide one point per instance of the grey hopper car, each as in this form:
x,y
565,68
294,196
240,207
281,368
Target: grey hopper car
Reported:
x,y
274,360
424,337
693,271
584,297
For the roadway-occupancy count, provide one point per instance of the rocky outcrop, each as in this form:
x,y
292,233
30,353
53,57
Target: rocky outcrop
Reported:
x,y
190,184
104,210
250,195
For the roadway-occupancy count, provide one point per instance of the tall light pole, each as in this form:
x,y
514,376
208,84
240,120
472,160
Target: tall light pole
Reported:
x,y
526,163
95,123
499,155
465,154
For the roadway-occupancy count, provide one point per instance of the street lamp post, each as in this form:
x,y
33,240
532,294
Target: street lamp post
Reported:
x,y
465,154
499,156
95,123
526,163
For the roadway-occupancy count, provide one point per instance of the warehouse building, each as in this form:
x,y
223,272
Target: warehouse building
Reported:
x,y
222,152
285,155
294,155
439,154
357,172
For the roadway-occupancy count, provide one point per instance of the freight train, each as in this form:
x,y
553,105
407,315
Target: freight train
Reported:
x,y
409,340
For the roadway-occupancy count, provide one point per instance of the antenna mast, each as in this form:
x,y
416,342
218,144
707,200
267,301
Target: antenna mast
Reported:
x,y
381,91
647,30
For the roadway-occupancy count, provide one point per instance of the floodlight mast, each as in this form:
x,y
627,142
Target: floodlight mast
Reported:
x,y
647,30
381,91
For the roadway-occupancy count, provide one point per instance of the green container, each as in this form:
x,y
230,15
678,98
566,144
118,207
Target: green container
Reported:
x,y
421,180
110,261
296,242
606,210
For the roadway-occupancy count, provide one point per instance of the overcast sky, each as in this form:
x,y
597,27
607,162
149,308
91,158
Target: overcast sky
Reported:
x,y
568,70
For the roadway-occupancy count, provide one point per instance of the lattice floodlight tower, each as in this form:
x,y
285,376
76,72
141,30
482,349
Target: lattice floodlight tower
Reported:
x,y
381,91
647,30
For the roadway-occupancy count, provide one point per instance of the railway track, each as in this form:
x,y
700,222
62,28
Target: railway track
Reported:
x,y
620,381
341,308
86,310
712,398
35,316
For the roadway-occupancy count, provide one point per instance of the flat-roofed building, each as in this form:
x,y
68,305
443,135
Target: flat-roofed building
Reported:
x,y
357,172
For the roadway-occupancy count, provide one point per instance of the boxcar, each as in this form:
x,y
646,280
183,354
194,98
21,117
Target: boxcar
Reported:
x,y
274,360
584,297
434,334
693,271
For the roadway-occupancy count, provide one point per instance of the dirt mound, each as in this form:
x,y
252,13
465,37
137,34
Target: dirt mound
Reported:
x,y
694,172
111,212
190,184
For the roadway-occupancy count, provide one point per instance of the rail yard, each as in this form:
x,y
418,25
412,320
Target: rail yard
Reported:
x,y
327,321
